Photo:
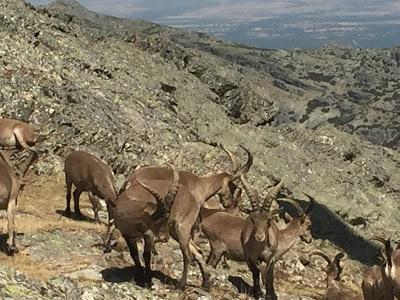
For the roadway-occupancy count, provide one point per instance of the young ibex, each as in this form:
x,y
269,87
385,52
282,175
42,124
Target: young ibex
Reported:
x,y
89,174
383,282
334,290
193,191
10,186
15,134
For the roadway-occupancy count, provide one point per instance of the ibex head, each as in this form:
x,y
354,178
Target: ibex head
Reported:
x,y
229,184
392,260
261,215
303,219
333,269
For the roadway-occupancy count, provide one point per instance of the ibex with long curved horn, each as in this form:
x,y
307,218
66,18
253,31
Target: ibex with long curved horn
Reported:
x,y
11,184
263,241
193,191
202,187
334,290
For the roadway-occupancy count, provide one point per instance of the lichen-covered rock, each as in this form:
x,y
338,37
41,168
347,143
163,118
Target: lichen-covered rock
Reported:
x,y
136,93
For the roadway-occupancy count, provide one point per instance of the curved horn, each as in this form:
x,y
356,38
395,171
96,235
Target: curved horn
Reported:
x,y
162,208
388,247
271,196
323,255
311,203
336,264
164,202
152,191
234,159
246,167
252,193
295,204
169,198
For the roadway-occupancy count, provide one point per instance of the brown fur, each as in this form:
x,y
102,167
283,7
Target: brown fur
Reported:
x,y
193,191
10,186
382,282
15,134
90,174
334,289
134,218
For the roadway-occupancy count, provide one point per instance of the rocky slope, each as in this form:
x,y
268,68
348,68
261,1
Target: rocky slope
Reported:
x,y
137,93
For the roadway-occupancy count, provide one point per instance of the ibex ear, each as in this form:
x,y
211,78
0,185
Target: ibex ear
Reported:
x,y
286,217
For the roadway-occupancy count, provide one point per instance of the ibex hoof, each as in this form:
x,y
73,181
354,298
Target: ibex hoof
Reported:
x,y
67,213
11,250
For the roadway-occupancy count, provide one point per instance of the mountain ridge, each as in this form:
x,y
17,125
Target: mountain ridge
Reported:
x,y
146,94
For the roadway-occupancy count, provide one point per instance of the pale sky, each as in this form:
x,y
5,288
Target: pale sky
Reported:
x,y
234,9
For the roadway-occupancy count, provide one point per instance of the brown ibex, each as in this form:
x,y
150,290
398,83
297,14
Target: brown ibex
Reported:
x,y
334,290
141,212
15,134
10,186
193,191
383,282
89,174
263,241
202,187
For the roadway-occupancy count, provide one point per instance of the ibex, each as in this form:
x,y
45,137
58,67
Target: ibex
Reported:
x,y
383,282
15,134
89,174
202,187
263,241
214,203
334,290
193,191
141,212
10,186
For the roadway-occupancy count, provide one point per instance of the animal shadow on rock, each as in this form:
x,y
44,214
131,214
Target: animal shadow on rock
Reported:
x,y
76,217
136,274
330,226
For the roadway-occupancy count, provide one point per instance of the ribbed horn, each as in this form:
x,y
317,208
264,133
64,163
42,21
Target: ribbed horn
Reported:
x,y
388,247
246,167
234,159
152,191
311,203
295,204
170,196
252,193
336,264
271,196
323,255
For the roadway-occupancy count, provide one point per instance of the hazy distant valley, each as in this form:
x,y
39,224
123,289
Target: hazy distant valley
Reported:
x,y
300,31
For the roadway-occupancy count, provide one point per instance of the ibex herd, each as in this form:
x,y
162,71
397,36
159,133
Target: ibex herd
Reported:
x,y
157,202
